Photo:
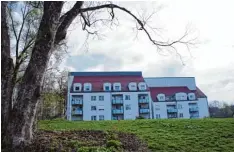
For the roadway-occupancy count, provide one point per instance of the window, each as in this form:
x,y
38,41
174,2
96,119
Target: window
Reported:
x,y
127,97
101,117
77,88
158,116
93,117
93,108
93,98
179,106
101,98
157,107
117,88
87,88
128,107
107,88
181,115
161,98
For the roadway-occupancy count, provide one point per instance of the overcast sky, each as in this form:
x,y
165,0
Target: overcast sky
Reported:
x,y
211,61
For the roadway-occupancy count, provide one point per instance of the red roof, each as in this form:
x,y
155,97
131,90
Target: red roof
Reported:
x,y
199,93
98,81
170,91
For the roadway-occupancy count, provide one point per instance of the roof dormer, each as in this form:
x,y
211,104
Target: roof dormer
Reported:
x,y
142,86
161,97
117,86
77,87
107,86
132,86
191,96
181,96
87,86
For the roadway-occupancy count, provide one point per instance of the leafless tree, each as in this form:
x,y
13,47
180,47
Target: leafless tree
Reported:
x,y
18,120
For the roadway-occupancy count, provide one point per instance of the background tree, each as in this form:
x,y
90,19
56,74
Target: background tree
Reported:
x,y
51,32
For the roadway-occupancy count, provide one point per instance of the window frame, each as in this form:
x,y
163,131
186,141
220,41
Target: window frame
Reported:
x,y
128,107
93,117
99,98
127,97
94,108
93,97
100,117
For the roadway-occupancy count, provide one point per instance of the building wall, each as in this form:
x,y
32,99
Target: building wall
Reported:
x,y
182,107
203,107
171,82
107,104
87,103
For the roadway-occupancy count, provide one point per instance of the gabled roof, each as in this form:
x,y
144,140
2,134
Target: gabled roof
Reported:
x,y
97,79
170,91
199,93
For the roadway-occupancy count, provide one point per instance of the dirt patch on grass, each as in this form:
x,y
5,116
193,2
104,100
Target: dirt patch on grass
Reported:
x,y
85,141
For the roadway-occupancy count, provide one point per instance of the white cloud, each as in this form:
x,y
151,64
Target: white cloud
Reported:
x,y
211,62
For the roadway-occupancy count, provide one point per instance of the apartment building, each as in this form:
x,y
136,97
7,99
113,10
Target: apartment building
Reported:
x,y
107,96
127,95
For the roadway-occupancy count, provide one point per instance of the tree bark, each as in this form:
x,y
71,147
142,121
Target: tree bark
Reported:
x,y
23,113
6,75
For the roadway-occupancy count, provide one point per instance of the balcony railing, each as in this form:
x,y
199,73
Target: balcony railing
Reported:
x,y
114,118
144,110
117,101
193,109
172,110
117,111
194,116
77,112
143,100
77,102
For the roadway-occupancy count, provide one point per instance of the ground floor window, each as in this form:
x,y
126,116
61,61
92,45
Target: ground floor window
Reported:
x,y
181,115
101,117
93,117
158,116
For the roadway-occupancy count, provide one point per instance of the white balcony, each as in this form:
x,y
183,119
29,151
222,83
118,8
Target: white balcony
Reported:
x,y
144,110
77,112
193,109
143,100
117,111
117,101
77,102
172,110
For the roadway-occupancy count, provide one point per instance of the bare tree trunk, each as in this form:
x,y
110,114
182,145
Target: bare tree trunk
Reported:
x,y
6,75
24,110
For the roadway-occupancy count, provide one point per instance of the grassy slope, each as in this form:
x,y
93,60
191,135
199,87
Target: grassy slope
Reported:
x,y
165,135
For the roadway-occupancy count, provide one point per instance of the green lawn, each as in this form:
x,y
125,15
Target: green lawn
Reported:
x,y
164,135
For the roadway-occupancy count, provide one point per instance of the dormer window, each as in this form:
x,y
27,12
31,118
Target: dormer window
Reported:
x,y
142,86
107,86
87,86
191,96
132,86
161,97
117,86
77,87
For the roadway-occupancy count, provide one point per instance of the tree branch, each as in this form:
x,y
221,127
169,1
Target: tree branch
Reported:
x,y
141,24
67,19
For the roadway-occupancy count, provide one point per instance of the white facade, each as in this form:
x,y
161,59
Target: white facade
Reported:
x,y
113,102
127,105
182,109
